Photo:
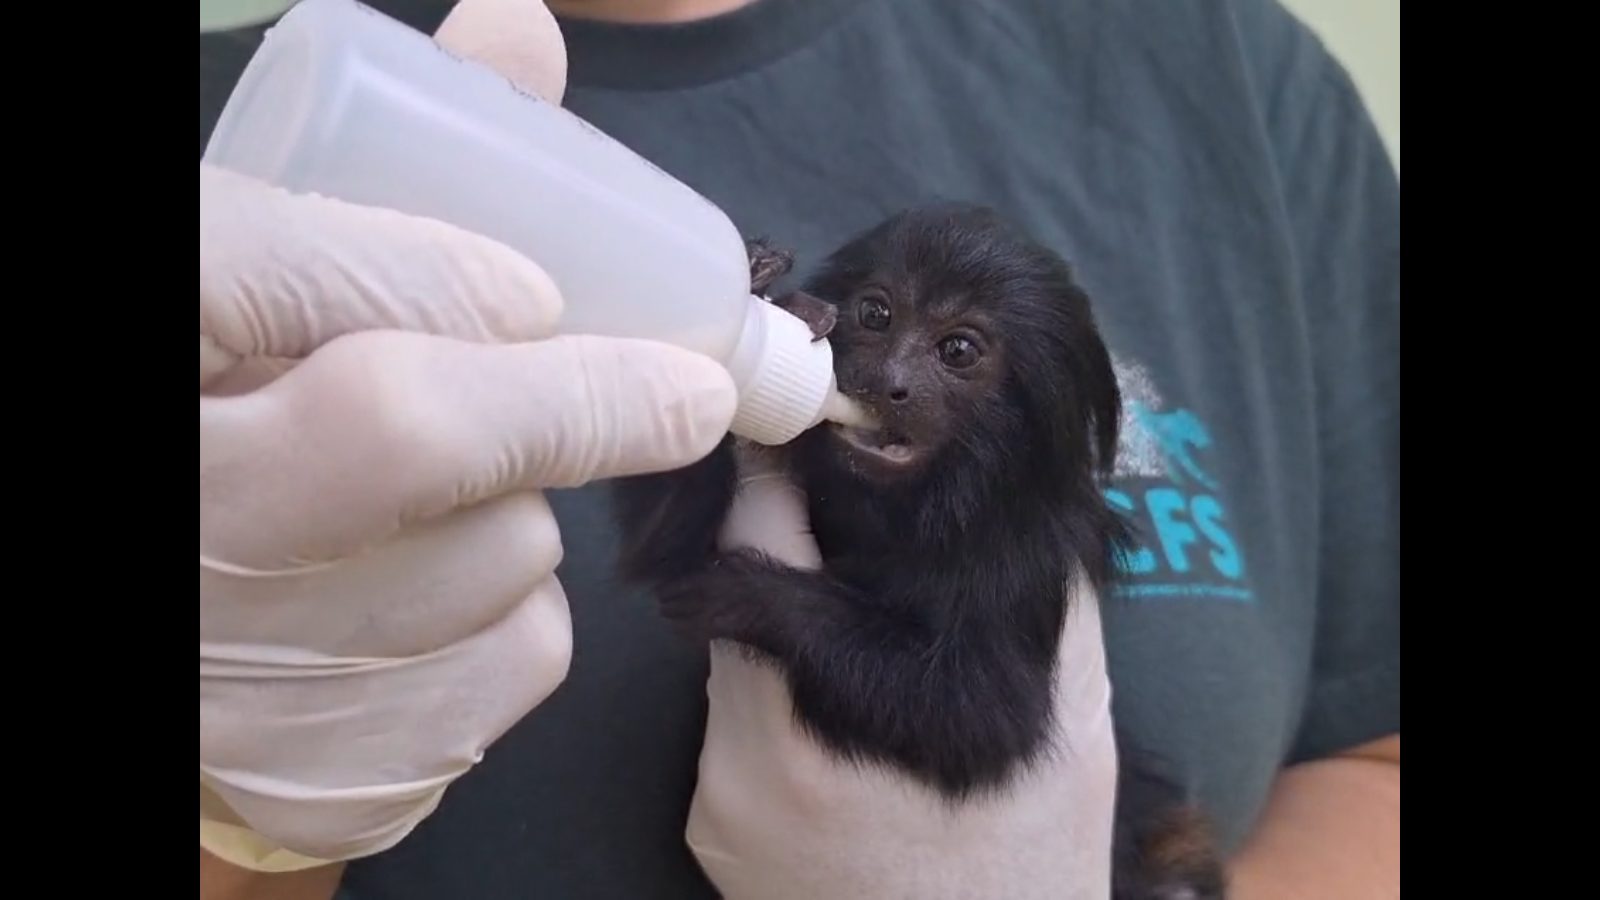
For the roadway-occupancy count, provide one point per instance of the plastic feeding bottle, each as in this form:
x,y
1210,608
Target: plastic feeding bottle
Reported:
x,y
343,101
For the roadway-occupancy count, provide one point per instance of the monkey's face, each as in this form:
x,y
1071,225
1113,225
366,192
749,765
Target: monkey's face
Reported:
x,y
925,359
973,348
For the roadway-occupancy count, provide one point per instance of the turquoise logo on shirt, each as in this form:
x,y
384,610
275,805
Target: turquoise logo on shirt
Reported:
x,y
1185,547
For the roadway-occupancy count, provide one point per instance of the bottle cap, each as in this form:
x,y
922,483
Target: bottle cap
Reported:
x,y
791,376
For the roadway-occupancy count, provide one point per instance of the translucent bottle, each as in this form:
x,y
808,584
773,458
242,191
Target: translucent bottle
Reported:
x,y
343,101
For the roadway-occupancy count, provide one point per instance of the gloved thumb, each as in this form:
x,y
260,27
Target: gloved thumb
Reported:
x,y
517,38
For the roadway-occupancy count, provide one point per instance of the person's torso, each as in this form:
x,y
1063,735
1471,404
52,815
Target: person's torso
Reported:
x,y
1124,137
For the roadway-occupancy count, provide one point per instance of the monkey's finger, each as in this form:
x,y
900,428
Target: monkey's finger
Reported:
x,y
282,274
383,429
820,315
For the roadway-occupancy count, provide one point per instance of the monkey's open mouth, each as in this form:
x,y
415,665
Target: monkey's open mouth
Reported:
x,y
885,445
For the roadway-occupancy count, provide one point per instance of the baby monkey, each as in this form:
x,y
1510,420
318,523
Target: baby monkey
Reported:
x,y
949,535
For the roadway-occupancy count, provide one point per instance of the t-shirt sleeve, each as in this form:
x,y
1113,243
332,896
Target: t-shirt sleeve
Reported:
x,y
1342,199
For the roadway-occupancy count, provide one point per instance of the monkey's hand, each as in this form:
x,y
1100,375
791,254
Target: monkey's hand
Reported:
x,y
767,264
818,314
750,597
764,544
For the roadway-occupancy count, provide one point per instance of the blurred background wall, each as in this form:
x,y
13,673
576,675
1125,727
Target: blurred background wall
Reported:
x,y
1365,36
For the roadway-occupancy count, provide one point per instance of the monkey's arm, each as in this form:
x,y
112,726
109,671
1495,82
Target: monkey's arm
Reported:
x,y
670,520
867,680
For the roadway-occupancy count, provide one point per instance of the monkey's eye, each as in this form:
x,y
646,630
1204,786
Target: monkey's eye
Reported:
x,y
958,353
873,314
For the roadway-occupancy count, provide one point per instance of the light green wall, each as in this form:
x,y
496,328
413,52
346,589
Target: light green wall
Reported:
x,y
1365,35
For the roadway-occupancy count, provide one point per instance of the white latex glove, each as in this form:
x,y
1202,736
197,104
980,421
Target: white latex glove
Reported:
x,y
776,818
377,598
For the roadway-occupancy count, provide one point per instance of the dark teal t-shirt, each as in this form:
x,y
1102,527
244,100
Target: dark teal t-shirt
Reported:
x,y
1210,172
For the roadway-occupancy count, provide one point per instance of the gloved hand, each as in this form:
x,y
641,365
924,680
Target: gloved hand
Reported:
x,y
774,817
377,598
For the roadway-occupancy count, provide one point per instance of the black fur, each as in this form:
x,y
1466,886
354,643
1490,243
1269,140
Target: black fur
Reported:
x,y
928,642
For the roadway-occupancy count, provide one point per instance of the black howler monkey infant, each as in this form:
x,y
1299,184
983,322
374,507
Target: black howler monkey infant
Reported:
x,y
949,536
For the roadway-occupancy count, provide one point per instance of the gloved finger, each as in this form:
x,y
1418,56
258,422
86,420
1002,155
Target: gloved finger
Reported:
x,y
429,586
383,429
517,38
363,800
282,274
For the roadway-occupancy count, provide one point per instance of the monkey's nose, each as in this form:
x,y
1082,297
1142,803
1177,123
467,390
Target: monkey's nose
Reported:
x,y
899,395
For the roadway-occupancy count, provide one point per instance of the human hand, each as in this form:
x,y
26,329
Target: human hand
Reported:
x,y
377,598
381,405
775,815
356,267
768,513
